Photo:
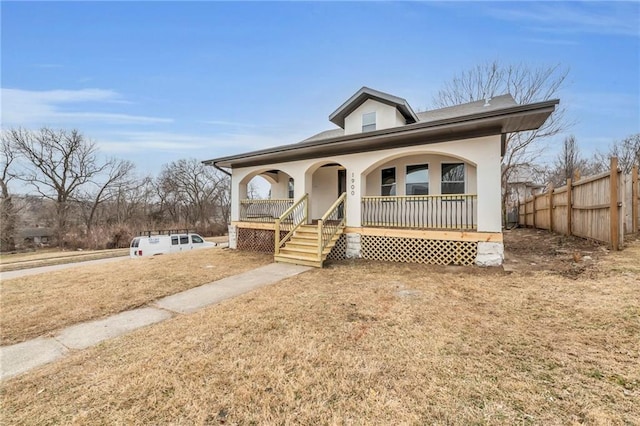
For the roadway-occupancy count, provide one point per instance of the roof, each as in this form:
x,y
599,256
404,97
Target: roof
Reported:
x,y
502,115
35,232
497,102
337,117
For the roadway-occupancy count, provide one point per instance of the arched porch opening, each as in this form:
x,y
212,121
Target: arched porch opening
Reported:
x,y
325,181
420,190
265,194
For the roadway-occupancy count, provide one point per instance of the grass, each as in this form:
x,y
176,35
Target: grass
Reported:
x,y
35,305
54,256
14,262
366,343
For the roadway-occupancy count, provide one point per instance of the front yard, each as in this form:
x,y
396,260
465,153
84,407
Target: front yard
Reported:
x,y
373,343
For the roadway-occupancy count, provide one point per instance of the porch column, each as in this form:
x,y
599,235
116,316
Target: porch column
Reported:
x,y
238,192
489,207
355,189
489,196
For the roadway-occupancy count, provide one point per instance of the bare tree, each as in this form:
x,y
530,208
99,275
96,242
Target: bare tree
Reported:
x,y
526,85
190,191
104,187
627,151
568,164
7,209
57,163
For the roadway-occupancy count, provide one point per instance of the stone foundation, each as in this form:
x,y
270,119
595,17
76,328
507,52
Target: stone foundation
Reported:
x,y
490,254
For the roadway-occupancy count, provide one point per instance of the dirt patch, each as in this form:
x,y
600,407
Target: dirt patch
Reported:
x,y
528,250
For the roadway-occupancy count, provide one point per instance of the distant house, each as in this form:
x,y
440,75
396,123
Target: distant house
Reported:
x,y
387,183
520,186
35,237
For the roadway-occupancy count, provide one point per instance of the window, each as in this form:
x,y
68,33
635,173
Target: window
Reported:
x,y
196,239
135,242
290,187
174,241
184,239
368,121
388,182
453,178
417,180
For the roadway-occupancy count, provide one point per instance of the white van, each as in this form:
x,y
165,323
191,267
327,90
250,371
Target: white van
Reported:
x,y
152,245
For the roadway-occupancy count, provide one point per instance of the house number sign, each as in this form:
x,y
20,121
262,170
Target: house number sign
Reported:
x,y
353,183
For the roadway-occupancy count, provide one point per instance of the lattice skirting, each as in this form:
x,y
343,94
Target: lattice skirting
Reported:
x,y
415,250
339,251
261,240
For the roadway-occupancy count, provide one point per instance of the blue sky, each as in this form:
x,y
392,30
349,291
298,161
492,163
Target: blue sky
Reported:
x,y
157,81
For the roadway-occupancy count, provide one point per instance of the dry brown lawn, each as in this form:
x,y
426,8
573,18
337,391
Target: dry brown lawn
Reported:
x,y
14,262
35,305
369,343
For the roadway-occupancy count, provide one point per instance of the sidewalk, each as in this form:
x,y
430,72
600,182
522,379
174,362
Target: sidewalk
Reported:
x,y
22,357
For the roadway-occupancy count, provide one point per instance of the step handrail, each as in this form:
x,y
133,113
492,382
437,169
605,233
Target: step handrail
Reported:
x,y
299,209
328,228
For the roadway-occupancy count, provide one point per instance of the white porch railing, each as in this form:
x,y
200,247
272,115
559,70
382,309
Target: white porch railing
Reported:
x,y
452,212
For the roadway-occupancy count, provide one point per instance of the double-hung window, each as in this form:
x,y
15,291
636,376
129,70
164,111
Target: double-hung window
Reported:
x,y
368,122
417,181
290,187
452,178
388,182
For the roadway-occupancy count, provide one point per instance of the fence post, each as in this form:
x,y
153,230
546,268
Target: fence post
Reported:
x,y
634,199
550,204
614,222
569,205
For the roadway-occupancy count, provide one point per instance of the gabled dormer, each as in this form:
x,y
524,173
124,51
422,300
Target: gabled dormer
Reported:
x,y
369,110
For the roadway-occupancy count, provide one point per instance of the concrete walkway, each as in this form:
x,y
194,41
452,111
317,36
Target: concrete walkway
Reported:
x,y
22,357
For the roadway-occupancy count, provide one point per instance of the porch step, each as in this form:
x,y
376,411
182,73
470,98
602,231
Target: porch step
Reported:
x,y
298,260
302,248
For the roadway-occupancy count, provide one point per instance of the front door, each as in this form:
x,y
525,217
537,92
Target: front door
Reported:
x,y
342,188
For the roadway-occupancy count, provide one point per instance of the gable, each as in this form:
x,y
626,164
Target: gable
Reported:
x,y
385,115
365,93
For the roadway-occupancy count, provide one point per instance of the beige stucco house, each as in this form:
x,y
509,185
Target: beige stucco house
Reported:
x,y
387,183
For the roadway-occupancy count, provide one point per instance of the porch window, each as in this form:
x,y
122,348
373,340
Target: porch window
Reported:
x,y
290,187
388,182
453,178
368,122
417,181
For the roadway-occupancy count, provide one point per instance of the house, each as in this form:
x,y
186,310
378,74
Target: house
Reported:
x,y
387,184
35,237
521,184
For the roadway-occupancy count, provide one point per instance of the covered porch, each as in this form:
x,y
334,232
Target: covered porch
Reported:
x,y
414,206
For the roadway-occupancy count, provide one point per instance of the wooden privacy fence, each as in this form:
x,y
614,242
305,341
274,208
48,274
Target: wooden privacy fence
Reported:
x,y
602,207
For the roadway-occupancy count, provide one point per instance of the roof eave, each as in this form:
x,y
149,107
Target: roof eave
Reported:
x,y
506,120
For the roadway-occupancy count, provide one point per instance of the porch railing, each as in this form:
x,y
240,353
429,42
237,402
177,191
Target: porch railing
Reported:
x,y
456,212
263,210
331,222
291,220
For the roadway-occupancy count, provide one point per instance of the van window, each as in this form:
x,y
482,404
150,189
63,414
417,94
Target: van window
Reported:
x,y
184,239
135,242
174,241
196,239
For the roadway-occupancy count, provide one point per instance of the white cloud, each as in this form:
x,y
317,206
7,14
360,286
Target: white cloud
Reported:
x,y
188,144
30,107
615,18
